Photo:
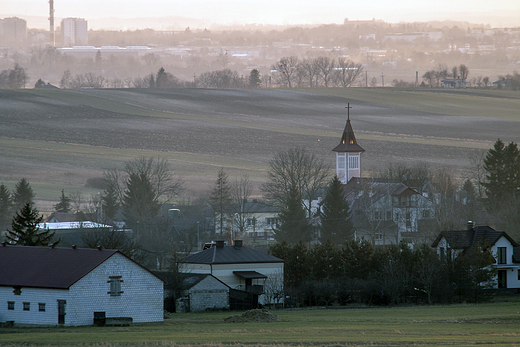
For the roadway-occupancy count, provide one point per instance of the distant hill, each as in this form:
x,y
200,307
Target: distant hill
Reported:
x,y
60,138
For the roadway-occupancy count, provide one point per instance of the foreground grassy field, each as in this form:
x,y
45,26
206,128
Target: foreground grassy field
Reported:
x,y
58,139
458,325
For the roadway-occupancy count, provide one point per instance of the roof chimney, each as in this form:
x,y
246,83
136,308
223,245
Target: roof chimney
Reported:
x,y
99,248
4,244
74,247
220,243
52,246
238,243
469,225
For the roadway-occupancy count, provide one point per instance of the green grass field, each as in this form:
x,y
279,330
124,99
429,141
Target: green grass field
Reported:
x,y
58,139
457,325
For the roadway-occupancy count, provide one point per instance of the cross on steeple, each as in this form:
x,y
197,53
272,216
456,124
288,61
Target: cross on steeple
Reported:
x,y
348,107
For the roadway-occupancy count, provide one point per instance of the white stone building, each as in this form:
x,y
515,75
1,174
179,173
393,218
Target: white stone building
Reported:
x,y
239,267
69,286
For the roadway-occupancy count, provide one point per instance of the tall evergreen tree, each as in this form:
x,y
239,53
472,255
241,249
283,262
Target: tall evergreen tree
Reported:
x,y
140,203
22,195
110,202
25,230
221,201
6,213
502,164
293,225
254,79
64,204
336,225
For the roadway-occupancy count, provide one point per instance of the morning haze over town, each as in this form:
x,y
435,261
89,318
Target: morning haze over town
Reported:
x,y
260,173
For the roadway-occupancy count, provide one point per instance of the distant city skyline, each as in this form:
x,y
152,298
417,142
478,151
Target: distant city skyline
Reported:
x,y
206,13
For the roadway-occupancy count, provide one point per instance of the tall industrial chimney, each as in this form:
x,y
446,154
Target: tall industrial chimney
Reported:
x,y
51,21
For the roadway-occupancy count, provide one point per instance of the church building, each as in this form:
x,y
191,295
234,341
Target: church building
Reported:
x,y
383,211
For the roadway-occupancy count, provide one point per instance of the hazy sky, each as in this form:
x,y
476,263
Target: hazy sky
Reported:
x,y
498,13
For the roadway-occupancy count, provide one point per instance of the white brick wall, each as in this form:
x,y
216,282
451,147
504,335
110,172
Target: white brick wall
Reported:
x,y
142,297
209,293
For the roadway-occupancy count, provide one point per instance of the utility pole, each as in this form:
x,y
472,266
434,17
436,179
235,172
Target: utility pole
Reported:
x,y
382,79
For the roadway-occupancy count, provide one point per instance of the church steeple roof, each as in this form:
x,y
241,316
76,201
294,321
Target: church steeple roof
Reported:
x,y
348,141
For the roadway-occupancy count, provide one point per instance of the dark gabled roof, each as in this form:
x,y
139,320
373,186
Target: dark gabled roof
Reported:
x,y
231,255
46,267
259,207
185,281
348,141
361,187
464,239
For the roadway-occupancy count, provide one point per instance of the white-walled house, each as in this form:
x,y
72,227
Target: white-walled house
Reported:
x,y
239,267
504,249
70,286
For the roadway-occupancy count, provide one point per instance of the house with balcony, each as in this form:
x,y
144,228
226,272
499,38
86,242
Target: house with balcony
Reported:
x,y
249,273
504,249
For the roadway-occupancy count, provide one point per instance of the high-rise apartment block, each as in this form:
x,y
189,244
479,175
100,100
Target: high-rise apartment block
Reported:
x,y
74,31
13,29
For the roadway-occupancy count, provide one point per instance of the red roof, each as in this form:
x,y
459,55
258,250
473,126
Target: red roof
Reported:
x,y
46,267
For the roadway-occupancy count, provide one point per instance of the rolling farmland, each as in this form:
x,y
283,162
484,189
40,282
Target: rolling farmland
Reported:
x,y
60,138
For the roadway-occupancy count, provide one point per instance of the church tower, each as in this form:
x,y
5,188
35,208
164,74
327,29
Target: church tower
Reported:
x,y
348,154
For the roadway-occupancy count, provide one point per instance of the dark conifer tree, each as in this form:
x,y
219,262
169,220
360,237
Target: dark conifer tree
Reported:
x,y
6,205
221,201
502,165
22,195
254,79
64,204
109,202
139,202
25,230
336,225
293,226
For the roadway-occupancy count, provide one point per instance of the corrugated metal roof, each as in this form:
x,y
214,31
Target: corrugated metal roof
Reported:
x,y
231,255
46,267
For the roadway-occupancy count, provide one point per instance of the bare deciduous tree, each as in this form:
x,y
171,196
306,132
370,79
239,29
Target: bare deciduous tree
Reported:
x,y
241,191
295,167
348,72
286,70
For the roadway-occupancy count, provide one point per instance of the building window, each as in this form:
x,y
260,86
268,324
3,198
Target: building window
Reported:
x,y
426,213
516,271
341,162
10,305
115,285
379,236
388,215
502,255
251,222
353,162
26,306
377,215
271,221
17,291
41,307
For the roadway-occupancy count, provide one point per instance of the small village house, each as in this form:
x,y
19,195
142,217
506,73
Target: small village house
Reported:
x,y
244,269
504,249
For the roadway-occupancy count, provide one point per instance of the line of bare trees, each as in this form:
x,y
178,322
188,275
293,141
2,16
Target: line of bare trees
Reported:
x,y
316,72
